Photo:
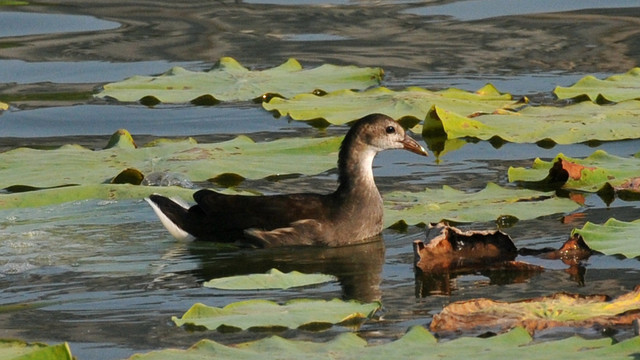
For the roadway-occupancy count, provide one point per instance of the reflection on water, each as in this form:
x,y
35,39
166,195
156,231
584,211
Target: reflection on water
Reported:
x,y
107,277
358,267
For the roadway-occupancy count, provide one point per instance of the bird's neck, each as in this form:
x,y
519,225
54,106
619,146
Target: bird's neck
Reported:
x,y
355,171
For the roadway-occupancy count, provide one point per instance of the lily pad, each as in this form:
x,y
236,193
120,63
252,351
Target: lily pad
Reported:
x,y
590,174
343,106
417,343
615,88
71,164
614,237
263,313
434,205
273,279
84,192
16,349
539,313
230,81
563,125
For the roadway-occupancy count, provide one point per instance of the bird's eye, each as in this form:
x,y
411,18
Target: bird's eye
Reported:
x,y
390,129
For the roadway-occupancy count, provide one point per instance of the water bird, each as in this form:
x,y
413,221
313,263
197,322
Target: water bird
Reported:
x,y
350,215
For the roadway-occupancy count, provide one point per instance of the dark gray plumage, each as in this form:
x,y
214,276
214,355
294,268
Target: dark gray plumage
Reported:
x,y
351,214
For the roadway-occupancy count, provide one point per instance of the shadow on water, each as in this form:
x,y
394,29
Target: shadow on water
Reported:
x,y
358,268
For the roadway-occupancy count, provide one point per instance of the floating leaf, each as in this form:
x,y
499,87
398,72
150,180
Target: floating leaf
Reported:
x,y
71,164
563,125
3,106
121,139
262,313
434,205
16,349
448,248
417,343
343,106
615,88
84,192
128,176
273,279
230,81
590,174
539,313
612,238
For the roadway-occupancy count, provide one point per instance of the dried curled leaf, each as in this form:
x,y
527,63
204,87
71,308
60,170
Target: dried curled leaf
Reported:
x,y
539,313
451,252
450,248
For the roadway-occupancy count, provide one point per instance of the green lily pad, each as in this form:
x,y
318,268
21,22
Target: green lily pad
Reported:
x,y
230,81
589,174
93,191
273,279
16,349
614,237
263,313
615,88
343,106
71,164
434,205
563,125
417,343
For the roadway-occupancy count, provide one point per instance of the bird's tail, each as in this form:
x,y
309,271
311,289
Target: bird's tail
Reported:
x,y
173,214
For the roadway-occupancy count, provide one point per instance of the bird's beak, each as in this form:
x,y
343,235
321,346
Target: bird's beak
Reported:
x,y
409,144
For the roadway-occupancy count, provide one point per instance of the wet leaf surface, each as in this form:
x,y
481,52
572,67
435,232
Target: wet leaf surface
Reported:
x,y
558,124
491,203
416,343
72,164
590,174
273,279
343,106
268,314
230,81
614,237
615,88
15,349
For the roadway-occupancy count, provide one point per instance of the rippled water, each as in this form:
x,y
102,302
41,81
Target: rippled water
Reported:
x,y
106,277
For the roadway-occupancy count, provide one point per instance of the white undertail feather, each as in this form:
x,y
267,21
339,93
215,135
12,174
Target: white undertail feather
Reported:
x,y
173,229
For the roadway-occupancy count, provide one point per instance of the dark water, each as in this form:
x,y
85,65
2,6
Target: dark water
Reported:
x,y
107,278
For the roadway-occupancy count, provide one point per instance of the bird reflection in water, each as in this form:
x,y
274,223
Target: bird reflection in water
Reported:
x,y
358,268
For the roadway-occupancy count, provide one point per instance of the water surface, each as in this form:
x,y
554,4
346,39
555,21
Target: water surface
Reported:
x,y
106,277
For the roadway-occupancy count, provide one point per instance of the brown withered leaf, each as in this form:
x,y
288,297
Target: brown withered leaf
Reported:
x,y
451,252
450,248
561,309
571,252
